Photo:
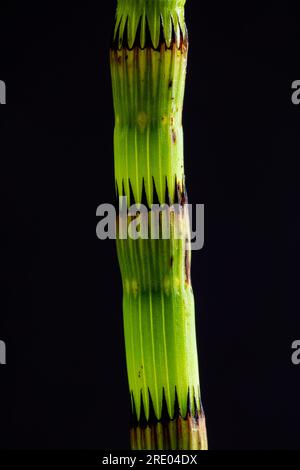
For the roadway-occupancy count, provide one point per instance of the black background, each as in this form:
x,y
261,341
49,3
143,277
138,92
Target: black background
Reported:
x,y
65,383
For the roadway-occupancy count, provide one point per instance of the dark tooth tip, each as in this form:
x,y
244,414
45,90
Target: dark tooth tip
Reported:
x,y
143,422
155,195
188,413
133,415
177,412
164,412
152,417
131,201
144,196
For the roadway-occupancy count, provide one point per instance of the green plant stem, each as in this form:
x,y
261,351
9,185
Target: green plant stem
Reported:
x,y
148,68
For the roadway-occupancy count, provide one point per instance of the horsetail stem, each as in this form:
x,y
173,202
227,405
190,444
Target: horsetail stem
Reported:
x,y
148,67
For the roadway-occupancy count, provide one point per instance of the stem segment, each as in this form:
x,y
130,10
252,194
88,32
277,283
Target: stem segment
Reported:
x,y
148,67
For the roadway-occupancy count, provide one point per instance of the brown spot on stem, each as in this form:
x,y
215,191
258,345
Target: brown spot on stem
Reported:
x,y
170,83
187,265
174,136
181,193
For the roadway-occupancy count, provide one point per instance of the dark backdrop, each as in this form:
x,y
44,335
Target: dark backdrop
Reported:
x,y
65,383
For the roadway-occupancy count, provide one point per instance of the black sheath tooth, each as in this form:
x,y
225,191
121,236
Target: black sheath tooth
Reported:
x,y
148,40
167,194
132,200
165,416
115,37
189,411
196,414
125,44
155,195
133,415
143,422
152,417
144,196
177,412
173,36
123,188
177,193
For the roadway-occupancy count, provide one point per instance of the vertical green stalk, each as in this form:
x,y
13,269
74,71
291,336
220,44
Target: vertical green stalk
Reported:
x,y
148,68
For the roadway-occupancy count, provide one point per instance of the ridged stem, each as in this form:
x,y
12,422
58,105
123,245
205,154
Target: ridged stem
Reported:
x,y
148,68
